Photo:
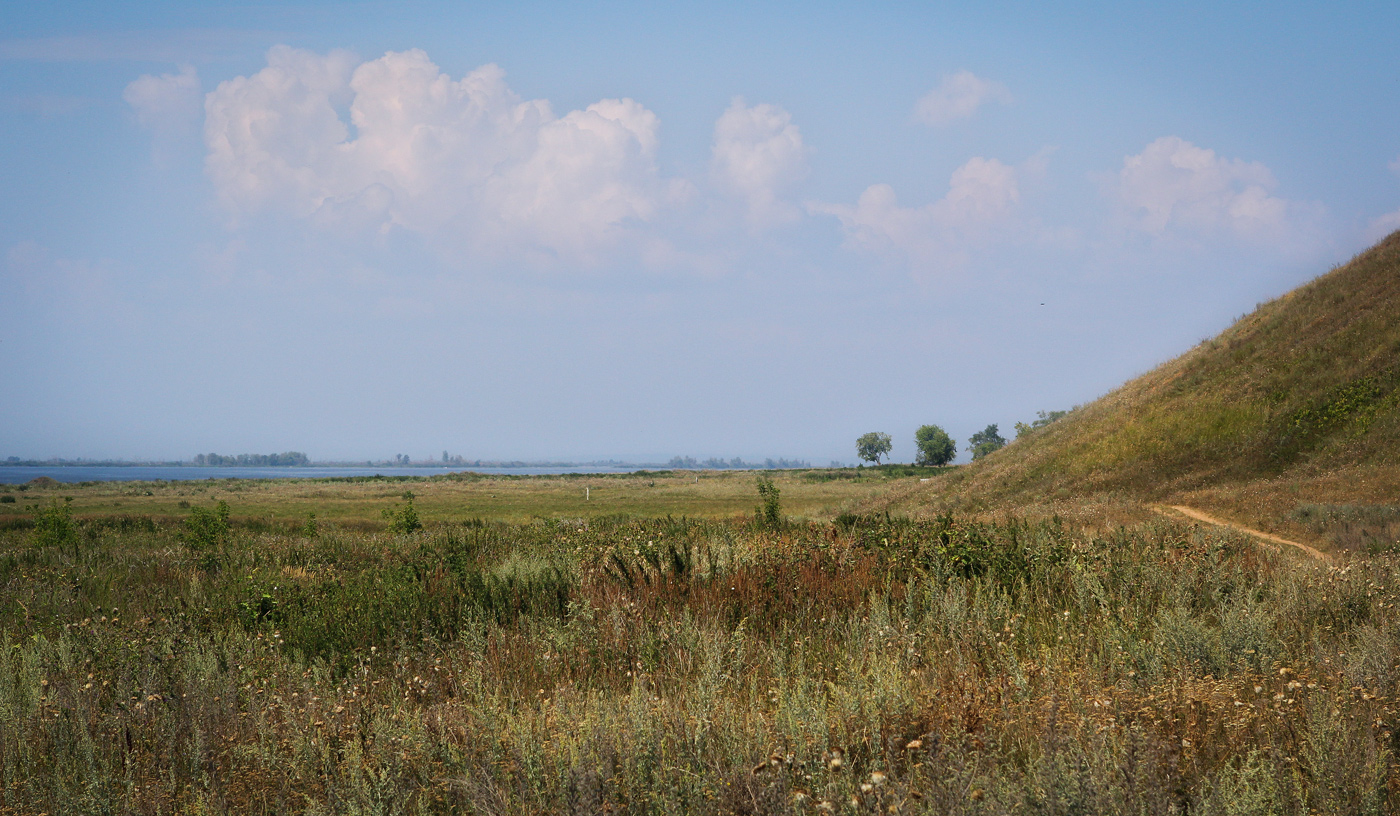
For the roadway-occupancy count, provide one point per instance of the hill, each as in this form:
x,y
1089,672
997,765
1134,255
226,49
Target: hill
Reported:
x,y
1296,403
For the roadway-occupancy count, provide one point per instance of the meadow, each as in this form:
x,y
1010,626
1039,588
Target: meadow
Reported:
x,y
164,659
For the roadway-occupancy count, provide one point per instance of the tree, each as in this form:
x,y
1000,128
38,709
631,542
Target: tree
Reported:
x,y
1046,417
985,441
873,445
935,446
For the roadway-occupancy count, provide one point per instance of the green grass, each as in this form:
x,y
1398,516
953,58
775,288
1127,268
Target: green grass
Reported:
x,y
691,665
359,501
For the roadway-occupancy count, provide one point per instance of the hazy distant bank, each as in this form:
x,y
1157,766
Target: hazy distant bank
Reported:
x,y
19,474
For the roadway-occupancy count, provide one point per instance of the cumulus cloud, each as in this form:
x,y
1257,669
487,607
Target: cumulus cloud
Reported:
x,y
959,96
430,154
166,103
982,201
1175,187
757,153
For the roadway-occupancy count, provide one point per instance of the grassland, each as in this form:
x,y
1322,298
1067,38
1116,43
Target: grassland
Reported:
x,y
356,502
508,660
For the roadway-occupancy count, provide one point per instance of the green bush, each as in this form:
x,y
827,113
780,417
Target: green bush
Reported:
x,y
206,529
53,526
403,518
770,514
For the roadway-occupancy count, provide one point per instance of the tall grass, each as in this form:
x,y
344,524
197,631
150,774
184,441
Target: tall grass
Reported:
x,y
674,666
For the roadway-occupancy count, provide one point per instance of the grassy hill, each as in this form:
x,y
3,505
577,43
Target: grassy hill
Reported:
x,y
1300,397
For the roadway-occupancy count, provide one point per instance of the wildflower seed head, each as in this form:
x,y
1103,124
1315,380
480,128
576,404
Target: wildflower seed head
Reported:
x,y
877,778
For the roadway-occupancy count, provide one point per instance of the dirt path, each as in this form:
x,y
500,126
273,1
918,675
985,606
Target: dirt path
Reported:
x,y
1199,516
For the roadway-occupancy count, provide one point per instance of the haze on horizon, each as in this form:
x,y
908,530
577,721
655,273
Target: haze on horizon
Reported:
x,y
618,231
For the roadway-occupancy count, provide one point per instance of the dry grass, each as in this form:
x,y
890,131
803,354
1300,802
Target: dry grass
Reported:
x,y
358,502
660,666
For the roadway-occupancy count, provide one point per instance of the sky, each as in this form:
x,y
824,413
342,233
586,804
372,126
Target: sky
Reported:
x,y
549,231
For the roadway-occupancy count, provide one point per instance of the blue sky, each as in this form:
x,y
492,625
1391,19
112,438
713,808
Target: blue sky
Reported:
x,y
574,231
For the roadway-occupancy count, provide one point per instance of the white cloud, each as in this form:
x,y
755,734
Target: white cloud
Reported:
x,y
166,103
757,153
465,159
981,203
1381,226
959,96
1175,187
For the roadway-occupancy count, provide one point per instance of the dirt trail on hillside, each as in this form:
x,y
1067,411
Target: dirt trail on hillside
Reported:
x,y
1199,516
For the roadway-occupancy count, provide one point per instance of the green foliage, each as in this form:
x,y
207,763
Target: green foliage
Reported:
x,y
986,441
770,512
1043,418
403,519
206,529
53,526
935,446
310,529
1355,400
870,447
665,665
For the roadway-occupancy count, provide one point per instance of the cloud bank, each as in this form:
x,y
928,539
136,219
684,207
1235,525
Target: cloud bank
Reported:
x,y
758,152
429,154
371,148
1175,189
981,202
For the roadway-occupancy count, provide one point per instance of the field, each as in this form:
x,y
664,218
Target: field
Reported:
x,y
661,648
358,502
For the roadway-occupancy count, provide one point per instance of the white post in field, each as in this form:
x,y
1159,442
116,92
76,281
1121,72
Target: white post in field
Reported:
x,y
585,494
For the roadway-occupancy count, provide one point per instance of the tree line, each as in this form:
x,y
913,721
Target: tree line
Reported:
x,y
288,459
935,447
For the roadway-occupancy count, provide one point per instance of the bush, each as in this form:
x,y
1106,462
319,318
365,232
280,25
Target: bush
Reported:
x,y
403,519
53,526
770,514
205,529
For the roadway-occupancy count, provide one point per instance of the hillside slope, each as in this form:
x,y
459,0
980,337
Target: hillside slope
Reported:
x,y
1304,388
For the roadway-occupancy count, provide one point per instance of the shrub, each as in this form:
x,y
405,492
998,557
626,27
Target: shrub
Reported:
x,y
205,529
53,526
770,514
403,519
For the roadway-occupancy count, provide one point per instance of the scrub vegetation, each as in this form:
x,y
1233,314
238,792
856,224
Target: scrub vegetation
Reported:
x,y
754,664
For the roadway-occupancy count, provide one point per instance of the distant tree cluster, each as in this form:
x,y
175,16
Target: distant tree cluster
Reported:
x,y
691,463
288,459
